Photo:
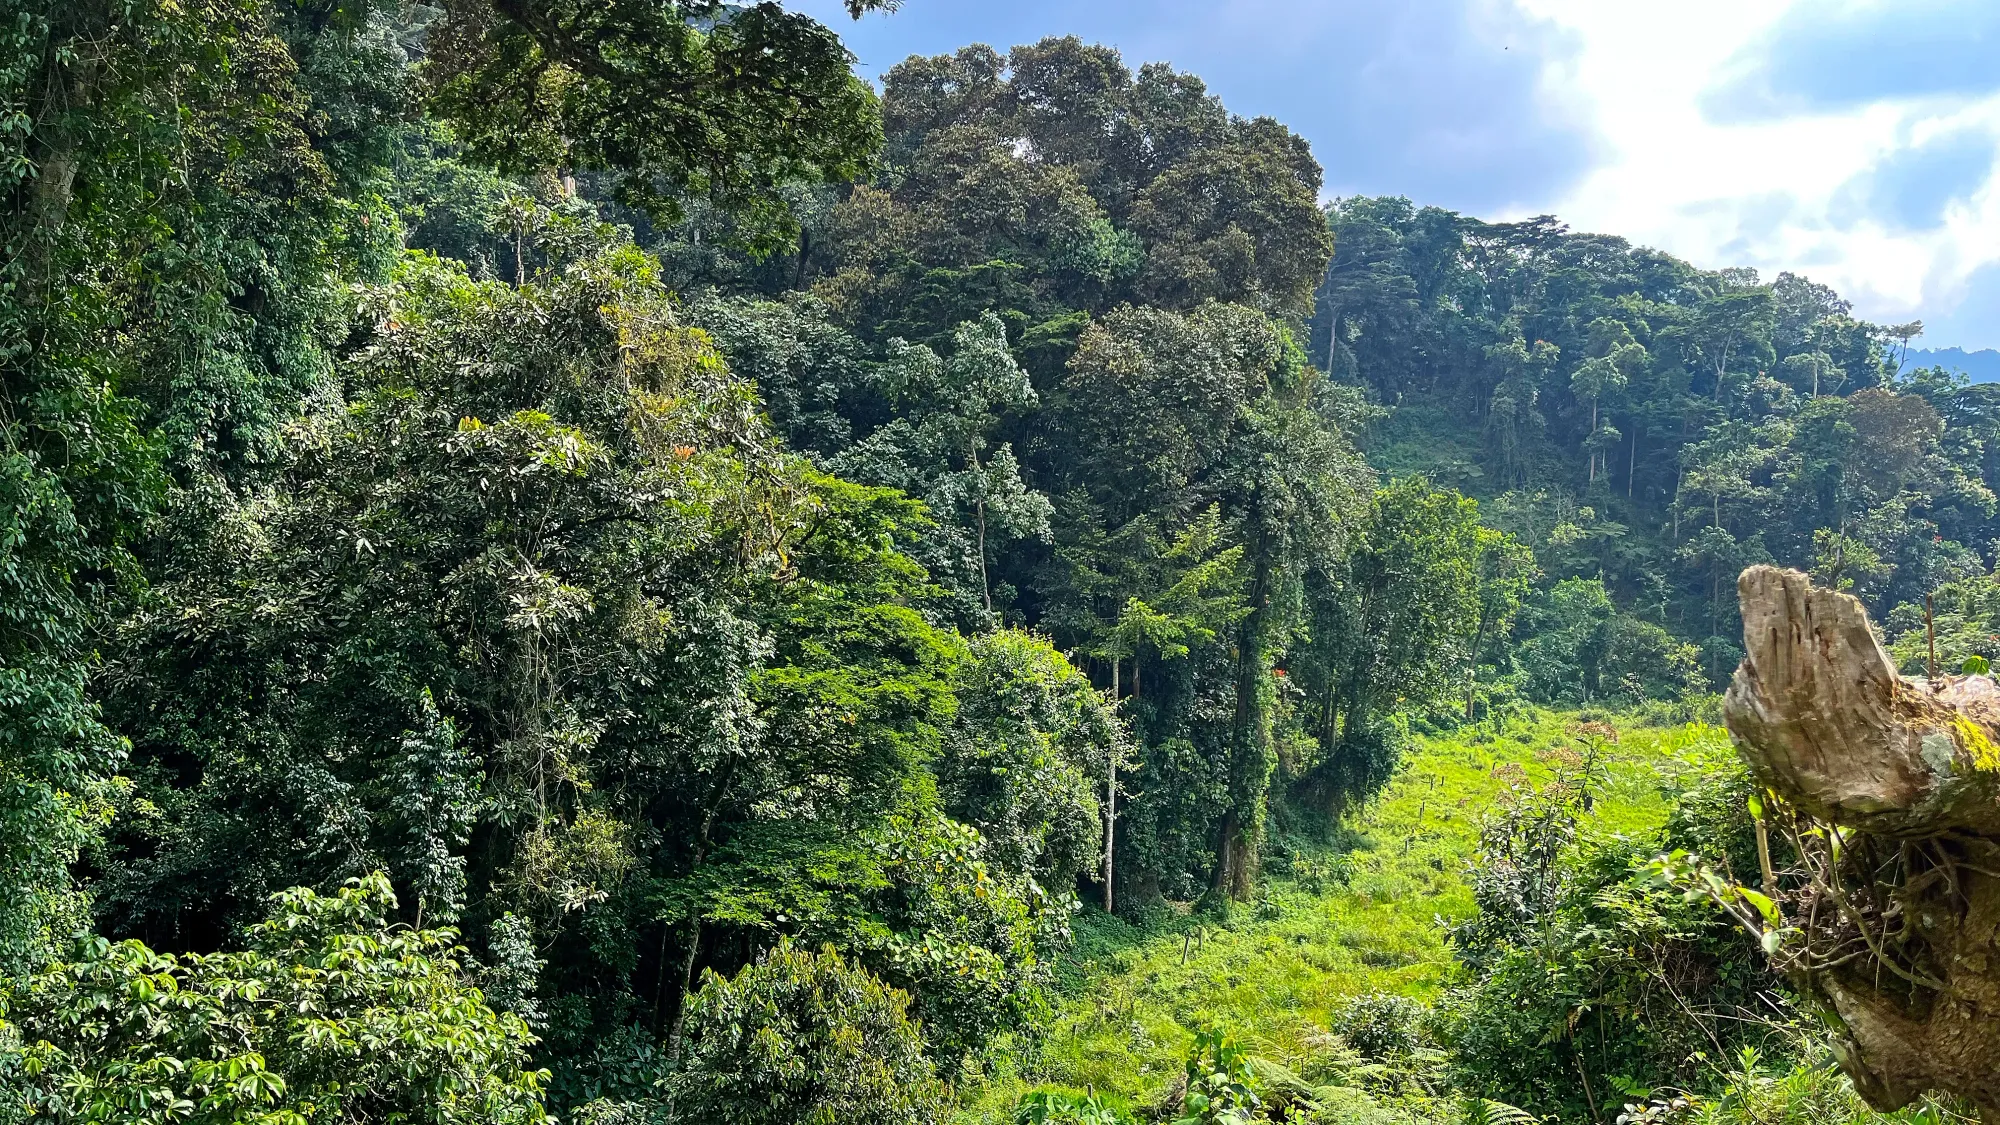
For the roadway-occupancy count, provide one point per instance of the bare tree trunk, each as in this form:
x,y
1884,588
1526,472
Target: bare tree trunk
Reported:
x,y
985,588
1110,792
1884,768
1632,466
1593,435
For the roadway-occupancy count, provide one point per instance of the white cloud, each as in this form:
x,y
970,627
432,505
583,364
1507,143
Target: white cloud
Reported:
x,y
1778,192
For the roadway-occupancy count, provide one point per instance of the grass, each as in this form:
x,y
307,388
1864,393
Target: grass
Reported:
x,y
1278,972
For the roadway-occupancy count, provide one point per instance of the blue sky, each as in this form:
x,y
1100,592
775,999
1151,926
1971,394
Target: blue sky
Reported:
x,y
1854,141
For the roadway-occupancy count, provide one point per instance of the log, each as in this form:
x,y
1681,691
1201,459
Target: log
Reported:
x,y
1822,718
1907,767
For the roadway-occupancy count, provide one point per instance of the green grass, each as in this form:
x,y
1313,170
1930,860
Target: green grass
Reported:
x,y
1278,972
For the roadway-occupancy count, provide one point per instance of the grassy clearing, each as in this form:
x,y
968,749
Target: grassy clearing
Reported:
x,y
1332,925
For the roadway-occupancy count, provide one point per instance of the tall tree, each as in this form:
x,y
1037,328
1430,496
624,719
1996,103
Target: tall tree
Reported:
x,y
676,98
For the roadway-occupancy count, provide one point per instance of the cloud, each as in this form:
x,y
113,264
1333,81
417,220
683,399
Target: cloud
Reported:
x,y
1853,140
1968,315
1446,101
1830,56
1911,188
1853,170
1441,100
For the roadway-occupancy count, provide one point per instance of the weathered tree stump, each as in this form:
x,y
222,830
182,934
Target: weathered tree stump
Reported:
x,y
1894,905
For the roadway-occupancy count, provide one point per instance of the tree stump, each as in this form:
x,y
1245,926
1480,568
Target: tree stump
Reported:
x,y
1893,909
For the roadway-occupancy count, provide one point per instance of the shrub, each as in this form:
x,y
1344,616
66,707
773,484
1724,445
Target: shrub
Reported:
x,y
1220,1083
1382,1026
1587,969
331,1015
1060,1107
802,1038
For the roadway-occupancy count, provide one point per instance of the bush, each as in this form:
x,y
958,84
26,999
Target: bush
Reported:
x,y
1220,1083
1059,1107
1588,973
331,1015
1382,1027
803,1039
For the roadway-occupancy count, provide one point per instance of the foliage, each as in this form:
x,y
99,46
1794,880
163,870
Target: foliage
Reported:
x,y
330,1013
1030,740
1220,1083
1392,625
1055,1107
802,1037
168,232
1651,426
1964,621
1383,1027
678,98
604,473
1577,648
1589,973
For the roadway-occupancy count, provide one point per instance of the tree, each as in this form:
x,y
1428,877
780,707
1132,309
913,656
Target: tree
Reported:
x,y
677,98
1612,358
169,231
330,1013
1727,330
933,448
1391,627
802,1037
1507,572
1242,223
541,620
1030,739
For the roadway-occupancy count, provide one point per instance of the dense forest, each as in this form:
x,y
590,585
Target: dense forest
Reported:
x,y
577,560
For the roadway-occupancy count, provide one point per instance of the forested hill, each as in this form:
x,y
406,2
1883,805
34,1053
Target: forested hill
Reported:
x,y
1647,428
1982,366
576,559
1652,425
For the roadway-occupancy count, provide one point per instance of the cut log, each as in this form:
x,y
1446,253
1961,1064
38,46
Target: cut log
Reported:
x,y
1822,718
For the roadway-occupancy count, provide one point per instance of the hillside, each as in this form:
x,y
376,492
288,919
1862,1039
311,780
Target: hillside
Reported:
x,y
1982,366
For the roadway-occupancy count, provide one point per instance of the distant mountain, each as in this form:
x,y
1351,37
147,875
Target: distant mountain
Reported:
x,y
1983,366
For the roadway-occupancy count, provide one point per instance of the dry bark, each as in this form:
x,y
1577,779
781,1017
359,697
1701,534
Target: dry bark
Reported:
x,y
1910,771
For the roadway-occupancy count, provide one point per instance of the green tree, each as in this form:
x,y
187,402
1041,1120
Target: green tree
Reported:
x,y
938,447
330,1013
540,619
1390,626
677,98
1507,573
1611,359
803,1037
170,229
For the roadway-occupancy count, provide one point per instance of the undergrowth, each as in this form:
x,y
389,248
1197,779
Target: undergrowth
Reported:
x,y
1325,978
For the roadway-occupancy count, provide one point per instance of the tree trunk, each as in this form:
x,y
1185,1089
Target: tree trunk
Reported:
x,y
1110,793
1632,466
1472,673
686,987
1249,765
985,588
1896,770
702,839
1593,435
1823,719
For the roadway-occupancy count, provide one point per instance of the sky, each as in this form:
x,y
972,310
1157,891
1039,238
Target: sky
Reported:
x,y
1853,141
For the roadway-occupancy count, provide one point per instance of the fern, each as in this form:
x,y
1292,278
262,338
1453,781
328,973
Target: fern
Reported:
x,y
1486,1111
